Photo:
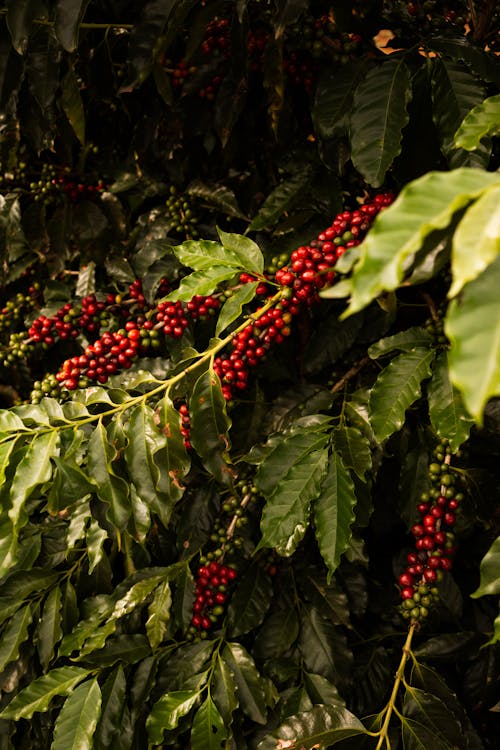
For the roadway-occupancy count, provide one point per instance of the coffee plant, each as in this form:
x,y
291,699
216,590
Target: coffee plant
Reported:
x,y
249,374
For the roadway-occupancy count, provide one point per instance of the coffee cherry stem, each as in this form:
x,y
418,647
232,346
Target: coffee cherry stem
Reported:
x,y
232,526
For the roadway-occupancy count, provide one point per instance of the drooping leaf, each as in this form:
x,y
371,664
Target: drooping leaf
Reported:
x,y
67,22
144,39
231,310
378,117
14,635
111,488
113,702
128,649
49,627
72,104
33,470
449,418
455,92
473,326
321,727
208,731
20,16
277,634
334,96
250,684
418,736
285,515
482,62
210,425
39,693
202,282
70,484
247,252
144,440
334,512
167,711
424,205
397,387
477,229
434,714
403,341
354,449
281,199
250,601
483,119
95,537
77,720
224,692
159,614
173,460
324,648
490,572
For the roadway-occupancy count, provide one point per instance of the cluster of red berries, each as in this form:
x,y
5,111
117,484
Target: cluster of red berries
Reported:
x,y
185,425
434,538
301,70
257,41
216,38
175,317
212,582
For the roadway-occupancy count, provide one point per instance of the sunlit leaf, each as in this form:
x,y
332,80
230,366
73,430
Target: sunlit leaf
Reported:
x,y
110,487
321,727
208,731
77,720
247,252
250,685
167,711
159,614
449,417
14,635
202,282
232,307
39,693
490,572
49,626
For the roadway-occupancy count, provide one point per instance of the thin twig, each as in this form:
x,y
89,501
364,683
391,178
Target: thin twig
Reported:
x,y
350,374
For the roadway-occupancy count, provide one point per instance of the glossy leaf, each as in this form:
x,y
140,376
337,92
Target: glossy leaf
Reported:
x,y
281,199
321,727
159,614
449,417
208,731
144,440
250,601
354,449
490,572
277,634
323,647
210,425
113,702
14,635
173,460
378,117
223,691
49,627
110,487
478,229
67,22
167,712
39,693
483,119
424,205
232,307
397,387
20,16
334,96
245,250
128,649
72,104
434,714
285,515
95,537
418,736
334,513
403,341
70,484
473,327
203,255
77,720
455,92
250,685
202,282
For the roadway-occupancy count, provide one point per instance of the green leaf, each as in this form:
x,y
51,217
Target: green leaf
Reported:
x,y
39,693
483,119
70,484
224,691
403,341
434,714
418,736
20,16
281,199
113,702
321,727
129,649
167,712
455,91
323,647
490,572
202,282
354,449
334,513
250,685
72,104
159,614
320,690
250,601
397,387
49,627
424,205
203,255
219,196
334,96
145,439
95,537
13,635
247,252
173,459
67,22
285,515
277,634
144,38
77,720
378,117
483,63
231,310
110,487
208,731
449,417
210,426
478,229
473,326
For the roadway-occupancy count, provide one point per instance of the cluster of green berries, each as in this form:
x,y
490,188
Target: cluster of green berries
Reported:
x,y
434,538
435,327
14,311
182,214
